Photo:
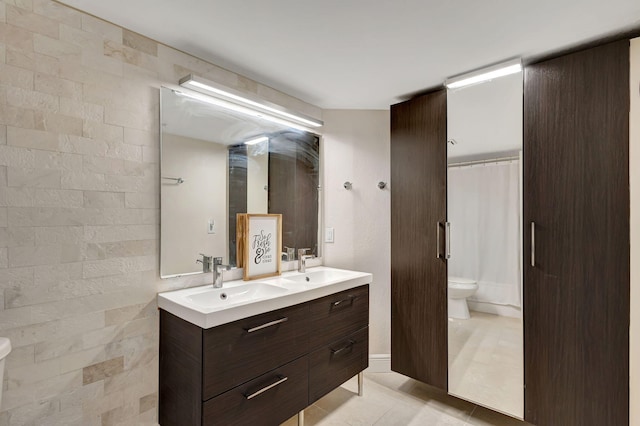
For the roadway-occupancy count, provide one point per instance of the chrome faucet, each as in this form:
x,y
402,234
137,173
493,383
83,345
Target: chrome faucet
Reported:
x,y
218,269
207,262
302,259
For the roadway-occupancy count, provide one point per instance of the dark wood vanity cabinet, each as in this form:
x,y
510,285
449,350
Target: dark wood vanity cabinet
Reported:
x,y
262,369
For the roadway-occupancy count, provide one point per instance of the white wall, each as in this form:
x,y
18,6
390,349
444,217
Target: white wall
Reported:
x,y
634,172
356,149
188,207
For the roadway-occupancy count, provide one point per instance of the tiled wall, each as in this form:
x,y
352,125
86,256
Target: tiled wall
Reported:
x,y
79,217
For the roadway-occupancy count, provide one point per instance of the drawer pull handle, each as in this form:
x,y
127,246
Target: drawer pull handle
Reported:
x,y
339,302
336,352
268,324
281,380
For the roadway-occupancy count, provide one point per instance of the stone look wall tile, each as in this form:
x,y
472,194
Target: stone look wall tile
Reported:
x,y
19,117
84,110
148,402
57,86
30,21
16,38
28,99
58,123
58,12
30,138
16,77
54,47
47,178
139,42
101,370
13,237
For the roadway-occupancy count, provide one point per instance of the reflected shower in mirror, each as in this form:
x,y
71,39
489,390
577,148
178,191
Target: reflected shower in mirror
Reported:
x,y
217,163
484,209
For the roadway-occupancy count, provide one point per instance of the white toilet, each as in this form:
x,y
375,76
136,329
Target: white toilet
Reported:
x,y
5,348
458,291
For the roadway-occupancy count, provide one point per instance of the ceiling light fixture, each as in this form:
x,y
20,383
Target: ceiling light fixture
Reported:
x,y
243,103
256,141
485,74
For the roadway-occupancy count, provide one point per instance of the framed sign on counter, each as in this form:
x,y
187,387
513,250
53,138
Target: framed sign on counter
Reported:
x,y
262,244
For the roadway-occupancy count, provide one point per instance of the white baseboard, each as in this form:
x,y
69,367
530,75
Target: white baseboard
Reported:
x,y
379,363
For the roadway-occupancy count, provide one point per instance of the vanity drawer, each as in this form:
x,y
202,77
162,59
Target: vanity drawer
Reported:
x,y
336,363
239,351
338,315
268,400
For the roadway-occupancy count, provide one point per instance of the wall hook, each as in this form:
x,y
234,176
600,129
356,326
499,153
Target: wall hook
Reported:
x,y
348,185
382,185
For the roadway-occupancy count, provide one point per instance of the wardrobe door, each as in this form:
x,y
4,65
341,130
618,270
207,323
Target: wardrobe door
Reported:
x,y
576,226
418,213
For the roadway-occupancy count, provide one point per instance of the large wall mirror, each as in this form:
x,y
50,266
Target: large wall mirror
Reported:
x,y
484,208
217,163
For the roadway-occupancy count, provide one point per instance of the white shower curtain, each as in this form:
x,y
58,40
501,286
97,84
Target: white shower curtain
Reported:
x,y
484,212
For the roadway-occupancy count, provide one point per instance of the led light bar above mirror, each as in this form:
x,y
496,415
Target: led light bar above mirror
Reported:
x,y
484,74
247,104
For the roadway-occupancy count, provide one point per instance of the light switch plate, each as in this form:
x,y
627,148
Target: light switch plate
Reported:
x,y
211,227
328,235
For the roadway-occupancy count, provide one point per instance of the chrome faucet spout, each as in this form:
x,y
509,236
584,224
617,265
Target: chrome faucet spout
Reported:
x,y
218,269
302,259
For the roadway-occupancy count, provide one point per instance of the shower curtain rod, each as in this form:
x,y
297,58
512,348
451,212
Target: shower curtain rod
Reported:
x,y
492,160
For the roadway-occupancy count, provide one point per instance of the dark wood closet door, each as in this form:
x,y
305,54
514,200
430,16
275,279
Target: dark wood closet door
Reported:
x,y
576,186
418,204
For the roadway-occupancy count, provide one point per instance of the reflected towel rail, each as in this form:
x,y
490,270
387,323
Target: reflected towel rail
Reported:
x,y
178,180
492,160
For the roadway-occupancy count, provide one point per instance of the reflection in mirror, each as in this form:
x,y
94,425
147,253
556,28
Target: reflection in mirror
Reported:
x,y
217,163
484,210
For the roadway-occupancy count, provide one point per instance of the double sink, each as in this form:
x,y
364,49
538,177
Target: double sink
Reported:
x,y
208,307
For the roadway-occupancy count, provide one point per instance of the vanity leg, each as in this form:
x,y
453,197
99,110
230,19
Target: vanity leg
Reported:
x,y
360,377
301,418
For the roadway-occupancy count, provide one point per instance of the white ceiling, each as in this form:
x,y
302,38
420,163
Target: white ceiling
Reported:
x,y
364,54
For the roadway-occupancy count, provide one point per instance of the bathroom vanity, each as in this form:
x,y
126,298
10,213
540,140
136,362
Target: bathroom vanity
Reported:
x,y
265,356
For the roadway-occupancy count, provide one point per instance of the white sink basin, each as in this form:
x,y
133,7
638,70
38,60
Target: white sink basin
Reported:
x,y
223,297
208,307
318,277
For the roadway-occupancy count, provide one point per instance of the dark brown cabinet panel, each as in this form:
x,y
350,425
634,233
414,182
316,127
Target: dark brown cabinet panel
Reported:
x,y
418,212
180,396
338,315
233,354
337,362
267,400
576,186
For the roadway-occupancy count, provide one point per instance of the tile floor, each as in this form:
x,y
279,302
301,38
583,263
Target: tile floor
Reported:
x,y
486,361
485,354
391,399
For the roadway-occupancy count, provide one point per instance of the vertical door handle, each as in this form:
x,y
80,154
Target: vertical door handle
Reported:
x,y
447,239
438,240
533,244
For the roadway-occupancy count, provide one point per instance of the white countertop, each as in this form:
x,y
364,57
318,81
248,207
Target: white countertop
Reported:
x,y
178,302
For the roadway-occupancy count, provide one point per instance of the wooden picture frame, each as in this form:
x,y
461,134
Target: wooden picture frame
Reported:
x,y
262,245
